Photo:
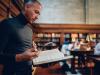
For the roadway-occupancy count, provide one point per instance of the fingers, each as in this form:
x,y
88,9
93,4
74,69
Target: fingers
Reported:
x,y
33,49
30,54
33,52
36,53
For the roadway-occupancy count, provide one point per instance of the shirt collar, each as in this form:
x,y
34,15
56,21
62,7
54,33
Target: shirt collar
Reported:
x,y
22,19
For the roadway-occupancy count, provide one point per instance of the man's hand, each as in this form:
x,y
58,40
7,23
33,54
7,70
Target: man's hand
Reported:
x,y
29,54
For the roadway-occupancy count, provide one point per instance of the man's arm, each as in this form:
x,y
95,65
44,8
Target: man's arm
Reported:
x,y
25,56
7,58
29,54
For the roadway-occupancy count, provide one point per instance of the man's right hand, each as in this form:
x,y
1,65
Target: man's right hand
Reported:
x,y
29,54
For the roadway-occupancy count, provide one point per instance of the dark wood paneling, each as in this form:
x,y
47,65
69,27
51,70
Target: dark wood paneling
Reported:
x,y
8,8
73,28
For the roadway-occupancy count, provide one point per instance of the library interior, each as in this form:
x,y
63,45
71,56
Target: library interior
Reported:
x,y
66,37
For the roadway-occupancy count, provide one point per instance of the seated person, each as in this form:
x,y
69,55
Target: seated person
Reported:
x,y
97,49
66,47
97,63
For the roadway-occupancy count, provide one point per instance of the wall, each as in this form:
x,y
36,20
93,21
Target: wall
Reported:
x,y
94,12
62,11
70,12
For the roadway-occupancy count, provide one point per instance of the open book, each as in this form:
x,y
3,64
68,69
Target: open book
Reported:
x,y
50,56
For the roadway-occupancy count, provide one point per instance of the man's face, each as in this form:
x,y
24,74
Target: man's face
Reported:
x,y
32,11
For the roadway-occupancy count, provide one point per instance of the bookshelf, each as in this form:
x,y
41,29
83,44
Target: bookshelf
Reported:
x,y
47,40
67,36
57,33
98,37
58,38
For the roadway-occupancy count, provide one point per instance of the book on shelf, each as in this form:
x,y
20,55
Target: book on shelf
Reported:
x,y
49,56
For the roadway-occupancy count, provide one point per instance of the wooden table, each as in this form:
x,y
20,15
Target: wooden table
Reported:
x,y
80,53
96,60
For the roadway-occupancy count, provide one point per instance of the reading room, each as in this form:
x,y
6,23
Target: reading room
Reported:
x,y
49,37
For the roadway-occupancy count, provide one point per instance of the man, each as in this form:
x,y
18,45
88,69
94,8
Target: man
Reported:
x,y
96,57
16,41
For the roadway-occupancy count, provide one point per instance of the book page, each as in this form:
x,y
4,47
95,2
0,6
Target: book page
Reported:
x,y
48,56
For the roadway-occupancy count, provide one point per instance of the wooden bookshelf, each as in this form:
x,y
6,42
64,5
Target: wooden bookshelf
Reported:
x,y
65,31
8,8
